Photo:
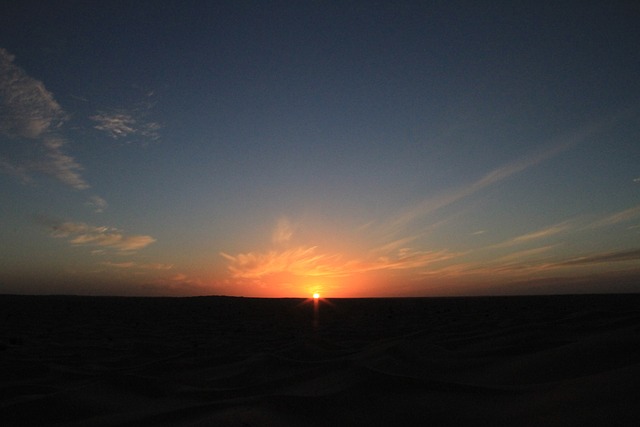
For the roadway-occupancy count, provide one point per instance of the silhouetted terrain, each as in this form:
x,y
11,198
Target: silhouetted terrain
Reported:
x,y
104,361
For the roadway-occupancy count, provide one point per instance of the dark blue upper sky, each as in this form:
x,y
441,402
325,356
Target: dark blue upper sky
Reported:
x,y
358,148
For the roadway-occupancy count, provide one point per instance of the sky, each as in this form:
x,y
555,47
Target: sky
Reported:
x,y
350,148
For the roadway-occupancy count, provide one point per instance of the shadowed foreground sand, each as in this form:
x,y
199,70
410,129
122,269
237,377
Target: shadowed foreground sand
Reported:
x,y
544,361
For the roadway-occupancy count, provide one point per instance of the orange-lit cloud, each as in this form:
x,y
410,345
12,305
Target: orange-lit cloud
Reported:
x,y
79,233
308,262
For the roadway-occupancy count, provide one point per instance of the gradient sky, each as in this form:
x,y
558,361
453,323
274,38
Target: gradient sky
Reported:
x,y
267,148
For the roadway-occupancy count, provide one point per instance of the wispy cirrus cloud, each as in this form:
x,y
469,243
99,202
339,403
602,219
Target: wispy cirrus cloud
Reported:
x,y
122,123
135,265
97,203
29,111
79,233
524,254
309,262
554,148
432,204
62,166
603,257
535,235
27,108
618,217
283,231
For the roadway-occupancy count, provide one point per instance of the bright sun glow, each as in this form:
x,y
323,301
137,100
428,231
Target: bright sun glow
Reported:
x,y
316,295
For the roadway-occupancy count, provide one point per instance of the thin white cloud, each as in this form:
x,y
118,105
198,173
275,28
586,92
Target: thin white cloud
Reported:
x,y
394,245
62,166
122,123
134,265
97,203
604,257
127,264
559,145
618,217
78,233
520,255
28,110
283,231
535,235
114,124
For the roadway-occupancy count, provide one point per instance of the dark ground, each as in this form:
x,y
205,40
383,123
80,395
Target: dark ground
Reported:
x,y
550,360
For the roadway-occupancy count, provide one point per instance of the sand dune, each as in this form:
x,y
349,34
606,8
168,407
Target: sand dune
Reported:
x,y
525,361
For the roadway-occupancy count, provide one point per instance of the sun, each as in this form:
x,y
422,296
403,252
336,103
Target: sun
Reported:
x,y
316,296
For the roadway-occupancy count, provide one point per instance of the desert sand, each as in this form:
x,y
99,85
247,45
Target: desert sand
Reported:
x,y
222,361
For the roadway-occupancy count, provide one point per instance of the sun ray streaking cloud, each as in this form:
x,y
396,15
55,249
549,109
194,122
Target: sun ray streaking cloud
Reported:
x,y
308,262
78,233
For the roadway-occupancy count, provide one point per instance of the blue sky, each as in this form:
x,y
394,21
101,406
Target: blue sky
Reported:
x,y
351,148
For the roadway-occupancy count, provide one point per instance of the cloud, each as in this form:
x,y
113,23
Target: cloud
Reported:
x,y
128,264
283,231
115,125
394,245
605,257
302,261
78,233
28,110
122,123
559,145
535,235
519,255
62,166
306,261
134,265
97,203
616,218
637,179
